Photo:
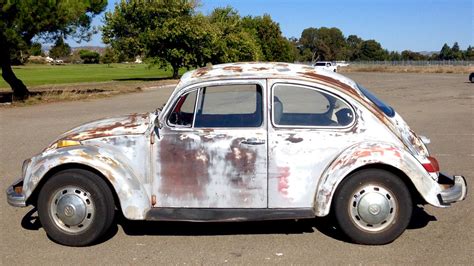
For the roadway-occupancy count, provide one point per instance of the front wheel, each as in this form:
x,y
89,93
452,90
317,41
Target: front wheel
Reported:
x,y
75,207
372,207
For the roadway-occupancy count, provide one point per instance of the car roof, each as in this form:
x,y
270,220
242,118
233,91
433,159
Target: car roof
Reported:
x,y
259,70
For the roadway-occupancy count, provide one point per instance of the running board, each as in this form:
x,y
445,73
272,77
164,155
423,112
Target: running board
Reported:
x,y
226,215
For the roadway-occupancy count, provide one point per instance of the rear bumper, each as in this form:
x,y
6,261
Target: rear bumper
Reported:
x,y
15,196
454,189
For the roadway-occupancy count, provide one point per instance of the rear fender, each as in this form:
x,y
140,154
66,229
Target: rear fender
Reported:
x,y
367,153
133,197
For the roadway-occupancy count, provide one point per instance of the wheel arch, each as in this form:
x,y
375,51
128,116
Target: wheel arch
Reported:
x,y
130,194
416,196
71,166
375,156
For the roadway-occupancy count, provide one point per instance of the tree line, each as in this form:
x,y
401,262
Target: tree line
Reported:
x,y
172,33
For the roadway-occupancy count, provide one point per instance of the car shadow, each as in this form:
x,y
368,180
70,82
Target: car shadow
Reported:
x,y
142,79
325,225
420,218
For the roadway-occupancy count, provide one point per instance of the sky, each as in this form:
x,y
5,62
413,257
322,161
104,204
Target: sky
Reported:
x,y
417,25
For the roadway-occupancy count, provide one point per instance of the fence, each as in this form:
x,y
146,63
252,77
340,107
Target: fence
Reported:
x,y
416,63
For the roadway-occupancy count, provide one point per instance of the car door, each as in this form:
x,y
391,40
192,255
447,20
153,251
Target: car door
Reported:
x,y
309,126
212,149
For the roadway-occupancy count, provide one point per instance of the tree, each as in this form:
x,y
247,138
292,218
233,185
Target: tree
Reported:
x,y
168,31
89,57
267,32
22,20
372,50
324,43
109,56
35,49
446,53
354,44
469,53
60,49
457,53
394,56
232,42
410,55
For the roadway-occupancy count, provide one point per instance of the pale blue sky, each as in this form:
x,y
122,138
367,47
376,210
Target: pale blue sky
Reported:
x,y
417,25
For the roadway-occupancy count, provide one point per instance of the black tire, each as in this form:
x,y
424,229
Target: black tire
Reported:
x,y
86,196
372,207
471,78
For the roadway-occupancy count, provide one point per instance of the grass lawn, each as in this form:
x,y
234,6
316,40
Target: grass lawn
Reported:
x,y
35,75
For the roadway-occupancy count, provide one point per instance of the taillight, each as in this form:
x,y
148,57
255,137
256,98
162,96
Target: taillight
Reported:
x,y
432,166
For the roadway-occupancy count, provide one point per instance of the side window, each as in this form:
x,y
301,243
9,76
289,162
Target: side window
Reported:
x,y
183,111
230,106
302,106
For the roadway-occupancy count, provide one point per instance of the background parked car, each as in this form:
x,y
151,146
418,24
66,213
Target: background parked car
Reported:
x,y
326,65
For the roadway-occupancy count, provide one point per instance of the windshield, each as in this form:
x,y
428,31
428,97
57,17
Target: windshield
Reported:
x,y
379,103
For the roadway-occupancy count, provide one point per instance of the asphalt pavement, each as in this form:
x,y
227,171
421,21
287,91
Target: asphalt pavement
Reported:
x,y
440,106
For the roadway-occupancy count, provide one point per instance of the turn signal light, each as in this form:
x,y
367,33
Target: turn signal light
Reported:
x,y
66,143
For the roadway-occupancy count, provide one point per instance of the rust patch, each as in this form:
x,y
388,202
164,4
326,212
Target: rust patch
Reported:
x,y
331,81
242,159
260,68
107,130
184,171
201,72
233,68
292,139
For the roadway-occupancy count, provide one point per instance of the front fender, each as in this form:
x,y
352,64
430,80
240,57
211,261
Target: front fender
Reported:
x,y
133,197
366,153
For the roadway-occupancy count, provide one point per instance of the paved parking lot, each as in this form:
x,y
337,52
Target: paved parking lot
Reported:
x,y
440,106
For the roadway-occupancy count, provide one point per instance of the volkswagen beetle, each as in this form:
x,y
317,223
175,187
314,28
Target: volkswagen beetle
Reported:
x,y
240,142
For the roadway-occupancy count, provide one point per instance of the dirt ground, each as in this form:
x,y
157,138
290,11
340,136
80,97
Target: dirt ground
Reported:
x,y
440,106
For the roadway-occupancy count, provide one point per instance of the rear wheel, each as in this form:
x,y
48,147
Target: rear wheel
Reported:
x,y
75,207
372,207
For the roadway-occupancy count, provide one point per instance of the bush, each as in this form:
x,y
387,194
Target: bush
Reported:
x,y
89,57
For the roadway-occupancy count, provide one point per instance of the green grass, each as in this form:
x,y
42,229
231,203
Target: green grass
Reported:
x,y
35,75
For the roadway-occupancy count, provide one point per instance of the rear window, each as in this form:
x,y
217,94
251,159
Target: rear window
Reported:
x,y
320,64
386,109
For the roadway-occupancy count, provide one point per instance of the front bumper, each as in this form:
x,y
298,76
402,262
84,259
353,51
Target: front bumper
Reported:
x,y
454,189
15,196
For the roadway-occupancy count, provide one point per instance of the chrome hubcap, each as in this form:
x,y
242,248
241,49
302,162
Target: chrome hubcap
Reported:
x,y
72,209
373,208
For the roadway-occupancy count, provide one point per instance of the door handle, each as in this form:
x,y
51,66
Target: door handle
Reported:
x,y
253,141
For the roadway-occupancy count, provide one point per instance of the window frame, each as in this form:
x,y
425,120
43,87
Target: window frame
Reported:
x,y
187,92
272,115
201,100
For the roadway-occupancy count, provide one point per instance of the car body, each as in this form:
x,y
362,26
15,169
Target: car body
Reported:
x,y
239,142
326,65
471,77
342,64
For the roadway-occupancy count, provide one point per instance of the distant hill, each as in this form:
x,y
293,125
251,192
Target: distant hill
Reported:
x,y
428,53
98,49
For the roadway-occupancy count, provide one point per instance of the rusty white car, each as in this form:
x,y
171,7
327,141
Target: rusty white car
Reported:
x,y
240,142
